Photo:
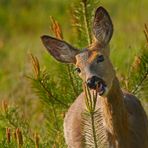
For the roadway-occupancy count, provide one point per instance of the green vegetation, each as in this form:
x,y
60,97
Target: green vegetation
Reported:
x,y
33,104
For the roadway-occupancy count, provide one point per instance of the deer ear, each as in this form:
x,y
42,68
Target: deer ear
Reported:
x,y
102,26
59,49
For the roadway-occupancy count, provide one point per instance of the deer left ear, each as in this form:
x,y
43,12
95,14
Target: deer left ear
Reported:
x,y
59,49
102,26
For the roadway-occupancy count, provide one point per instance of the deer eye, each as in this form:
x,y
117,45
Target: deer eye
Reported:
x,y
78,70
100,58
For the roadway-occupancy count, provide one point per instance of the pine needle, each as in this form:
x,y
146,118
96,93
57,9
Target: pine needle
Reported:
x,y
138,77
83,13
93,129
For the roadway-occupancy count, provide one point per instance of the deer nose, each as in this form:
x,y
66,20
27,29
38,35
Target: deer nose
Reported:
x,y
91,82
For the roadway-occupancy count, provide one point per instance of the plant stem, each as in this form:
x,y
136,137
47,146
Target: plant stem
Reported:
x,y
86,22
140,83
55,117
93,129
72,82
50,95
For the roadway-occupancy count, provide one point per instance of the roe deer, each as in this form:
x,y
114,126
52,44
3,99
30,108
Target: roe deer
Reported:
x,y
124,121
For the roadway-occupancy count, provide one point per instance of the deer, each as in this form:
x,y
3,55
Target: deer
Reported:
x,y
124,121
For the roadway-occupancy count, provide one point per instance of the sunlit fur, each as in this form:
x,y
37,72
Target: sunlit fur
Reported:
x,y
87,62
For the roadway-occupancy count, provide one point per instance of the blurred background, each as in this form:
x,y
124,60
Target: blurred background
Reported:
x,y
22,22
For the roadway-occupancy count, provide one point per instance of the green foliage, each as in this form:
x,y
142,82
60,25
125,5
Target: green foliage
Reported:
x,y
57,85
11,119
93,130
55,98
136,80
46,89
82,15
138,76
92,121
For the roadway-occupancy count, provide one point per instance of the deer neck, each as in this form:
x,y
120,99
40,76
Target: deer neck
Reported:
x,y
114,112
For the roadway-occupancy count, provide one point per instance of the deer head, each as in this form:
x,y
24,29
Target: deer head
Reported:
x,y
92,64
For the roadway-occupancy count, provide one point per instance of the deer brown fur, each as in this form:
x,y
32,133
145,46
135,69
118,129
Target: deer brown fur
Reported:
x,y
124,120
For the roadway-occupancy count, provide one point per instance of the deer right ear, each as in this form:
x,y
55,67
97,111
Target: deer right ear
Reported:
x,y
102,26
59,49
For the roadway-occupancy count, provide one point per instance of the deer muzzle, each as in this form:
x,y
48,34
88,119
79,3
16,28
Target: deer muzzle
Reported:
x,y
97,84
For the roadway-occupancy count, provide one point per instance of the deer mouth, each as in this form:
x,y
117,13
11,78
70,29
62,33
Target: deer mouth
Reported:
x,y
101,88
97,84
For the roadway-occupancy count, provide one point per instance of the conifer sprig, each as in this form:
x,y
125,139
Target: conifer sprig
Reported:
x,y
138,77
82,15
73,80
90,101
42,84
93,128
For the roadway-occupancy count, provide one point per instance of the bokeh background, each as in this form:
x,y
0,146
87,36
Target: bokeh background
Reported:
x,y
22,22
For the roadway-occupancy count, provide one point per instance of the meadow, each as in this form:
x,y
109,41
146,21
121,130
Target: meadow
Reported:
x,y
30,79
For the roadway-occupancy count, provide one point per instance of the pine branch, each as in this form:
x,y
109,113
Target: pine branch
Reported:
x,y
41,84
93,129
52,99
146,33
138,73
48,91
82,15
138,76
10,115
86,21
72,81
55,117
57,30
91,104
137,87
